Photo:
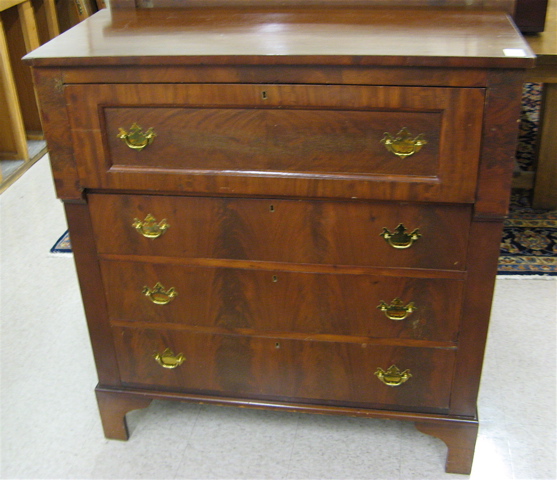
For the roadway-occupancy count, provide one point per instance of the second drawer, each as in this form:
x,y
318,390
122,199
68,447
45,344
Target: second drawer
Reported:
x,y
282,301
389,234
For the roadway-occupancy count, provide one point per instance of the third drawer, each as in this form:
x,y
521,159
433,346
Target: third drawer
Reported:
x,y
246,300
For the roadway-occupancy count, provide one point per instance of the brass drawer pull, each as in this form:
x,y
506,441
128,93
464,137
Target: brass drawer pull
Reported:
x,y
149,227
393,377
396,310
399,238
159,295
403,145
168,359
136,138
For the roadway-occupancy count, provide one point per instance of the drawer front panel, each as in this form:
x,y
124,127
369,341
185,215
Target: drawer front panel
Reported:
x,y
294,140
244,300
342,373
311,232
275,140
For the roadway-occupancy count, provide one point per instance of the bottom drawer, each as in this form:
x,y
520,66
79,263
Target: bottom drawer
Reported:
x,y
285,369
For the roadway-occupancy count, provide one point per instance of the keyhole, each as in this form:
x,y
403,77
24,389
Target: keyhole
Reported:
x,y
271,208
264,95
275,279
277,345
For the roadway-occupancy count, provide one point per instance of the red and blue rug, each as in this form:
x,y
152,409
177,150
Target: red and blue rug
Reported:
x,y
63,246
529,243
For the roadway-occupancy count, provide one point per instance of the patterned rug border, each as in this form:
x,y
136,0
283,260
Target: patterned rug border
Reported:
x,y
527,266
63,245
529,243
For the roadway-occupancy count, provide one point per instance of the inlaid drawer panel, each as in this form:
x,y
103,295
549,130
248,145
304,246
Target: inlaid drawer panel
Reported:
x,y
284,368
281,140
310,232
246,300
407,142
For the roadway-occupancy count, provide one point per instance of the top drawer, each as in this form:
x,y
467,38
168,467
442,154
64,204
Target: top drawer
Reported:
x,y
404,143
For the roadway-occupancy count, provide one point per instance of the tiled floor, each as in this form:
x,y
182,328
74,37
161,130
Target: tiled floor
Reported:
x,y
50,427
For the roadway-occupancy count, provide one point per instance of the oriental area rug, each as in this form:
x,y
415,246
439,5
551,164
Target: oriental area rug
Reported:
x,y
529,243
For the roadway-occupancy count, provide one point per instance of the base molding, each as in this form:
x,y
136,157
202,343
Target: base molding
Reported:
x,y
460,438
458,433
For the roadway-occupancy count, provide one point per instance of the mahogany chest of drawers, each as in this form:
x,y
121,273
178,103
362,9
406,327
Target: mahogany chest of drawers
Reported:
x,y
287,208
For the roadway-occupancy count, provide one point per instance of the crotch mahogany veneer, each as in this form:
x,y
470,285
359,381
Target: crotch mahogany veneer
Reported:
x,y
287,208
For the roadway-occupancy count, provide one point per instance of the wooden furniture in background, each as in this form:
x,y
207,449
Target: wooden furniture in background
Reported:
x,y
46,19
24,25
71,12
530,15
544,46
246,233
500,5
18,35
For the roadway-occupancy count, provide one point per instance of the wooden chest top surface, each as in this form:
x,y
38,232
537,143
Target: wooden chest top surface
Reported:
x,y
417,37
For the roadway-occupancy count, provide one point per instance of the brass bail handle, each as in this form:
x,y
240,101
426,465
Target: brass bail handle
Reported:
x,y
159,295
136,138
396,310
400,238
168,359
402,144
393,376
149,227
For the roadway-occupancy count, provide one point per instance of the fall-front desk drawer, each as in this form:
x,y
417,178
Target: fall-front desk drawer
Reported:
x,y
377,142
304,232
277,368
245,300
